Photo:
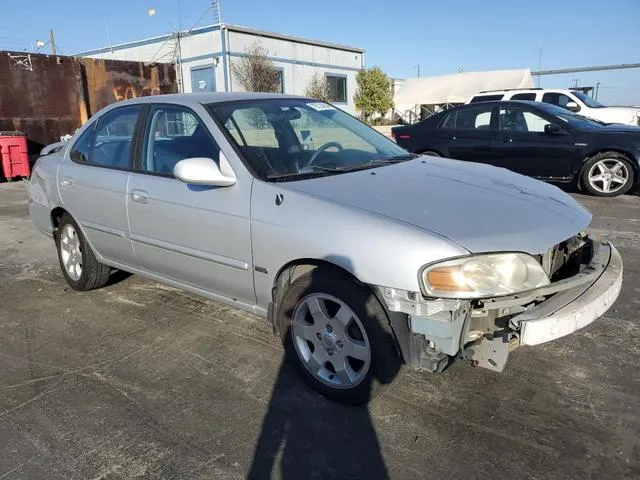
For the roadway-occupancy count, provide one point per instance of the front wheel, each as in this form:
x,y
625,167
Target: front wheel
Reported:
x,y
337,333
607,174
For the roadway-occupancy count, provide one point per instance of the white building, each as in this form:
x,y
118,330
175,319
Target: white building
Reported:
x,y
203,59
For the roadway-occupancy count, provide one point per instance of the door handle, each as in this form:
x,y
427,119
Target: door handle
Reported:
x,y
66,182
139,196
507,139
452,137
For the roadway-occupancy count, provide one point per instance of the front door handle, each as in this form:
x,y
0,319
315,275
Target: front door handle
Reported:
x,y
452,137
66,182
139,196
507,139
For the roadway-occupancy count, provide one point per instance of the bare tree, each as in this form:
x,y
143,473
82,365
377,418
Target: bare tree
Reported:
x,y
318,88
256,72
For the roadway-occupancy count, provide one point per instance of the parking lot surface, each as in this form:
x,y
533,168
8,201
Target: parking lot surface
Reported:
x,y
138,380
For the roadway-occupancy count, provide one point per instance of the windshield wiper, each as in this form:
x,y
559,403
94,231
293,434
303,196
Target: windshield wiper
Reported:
x,y
320,170
395,159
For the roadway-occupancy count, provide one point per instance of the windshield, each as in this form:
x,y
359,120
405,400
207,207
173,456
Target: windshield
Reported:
x,y
587,100
292,139
573,119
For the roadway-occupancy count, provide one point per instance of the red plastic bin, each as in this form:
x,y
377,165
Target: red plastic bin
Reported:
x,y
13,152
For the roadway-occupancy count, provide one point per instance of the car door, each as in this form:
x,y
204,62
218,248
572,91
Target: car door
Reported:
x,y
521,144
195,235
466,133
93,181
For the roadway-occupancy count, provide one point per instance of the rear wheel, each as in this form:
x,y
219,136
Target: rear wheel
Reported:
x,y
78,263
608,174
338,334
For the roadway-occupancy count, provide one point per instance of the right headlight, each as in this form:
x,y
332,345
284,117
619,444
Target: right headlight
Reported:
x,y
482,276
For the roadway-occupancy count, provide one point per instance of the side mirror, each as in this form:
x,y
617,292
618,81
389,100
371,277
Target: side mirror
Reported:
x,y
204,171
552,129
573,106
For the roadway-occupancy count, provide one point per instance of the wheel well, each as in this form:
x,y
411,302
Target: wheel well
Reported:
x,y
56,215
289,273
430,150
629,157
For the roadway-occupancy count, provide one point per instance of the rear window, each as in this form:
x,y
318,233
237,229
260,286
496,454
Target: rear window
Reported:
x,y
486,98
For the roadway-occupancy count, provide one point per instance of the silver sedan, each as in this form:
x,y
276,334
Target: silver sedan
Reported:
x,y
362,256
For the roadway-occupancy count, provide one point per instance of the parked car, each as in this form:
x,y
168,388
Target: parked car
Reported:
x,y
361,255
535,139
573,100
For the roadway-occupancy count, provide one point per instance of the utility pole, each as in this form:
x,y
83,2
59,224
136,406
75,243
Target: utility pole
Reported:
x,y
539,59
597,88
418,67
52,41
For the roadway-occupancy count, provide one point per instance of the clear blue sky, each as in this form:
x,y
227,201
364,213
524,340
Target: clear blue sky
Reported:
x,y
441,36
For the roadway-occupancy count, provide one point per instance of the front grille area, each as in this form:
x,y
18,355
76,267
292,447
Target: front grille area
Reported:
x,y
566,258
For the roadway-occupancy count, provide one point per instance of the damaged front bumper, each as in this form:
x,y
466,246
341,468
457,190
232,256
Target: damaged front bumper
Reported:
x,y
485,331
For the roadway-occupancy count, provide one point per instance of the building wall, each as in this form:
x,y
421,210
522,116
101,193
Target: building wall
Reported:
x,y
209,46
47,96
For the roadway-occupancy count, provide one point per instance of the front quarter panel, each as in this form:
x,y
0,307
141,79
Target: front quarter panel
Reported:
x,y
375,249
43,192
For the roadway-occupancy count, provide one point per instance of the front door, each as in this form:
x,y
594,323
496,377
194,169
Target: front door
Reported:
x,y
195,235
521,145
203,79
467,132
93,182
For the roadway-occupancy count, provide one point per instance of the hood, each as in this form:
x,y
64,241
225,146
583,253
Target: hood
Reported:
x,y
482,208
627,115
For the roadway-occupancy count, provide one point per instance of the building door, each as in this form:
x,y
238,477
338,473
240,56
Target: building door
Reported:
x,y
203,79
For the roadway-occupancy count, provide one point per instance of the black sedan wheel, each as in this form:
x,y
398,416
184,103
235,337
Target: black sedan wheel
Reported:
x,y
607,174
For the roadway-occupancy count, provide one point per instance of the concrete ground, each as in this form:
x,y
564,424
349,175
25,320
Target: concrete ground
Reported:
x,y
137,380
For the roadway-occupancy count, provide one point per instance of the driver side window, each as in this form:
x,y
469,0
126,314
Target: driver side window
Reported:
x,y
518,120
174,133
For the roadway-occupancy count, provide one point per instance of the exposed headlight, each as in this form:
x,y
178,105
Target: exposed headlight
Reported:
x,y
482,276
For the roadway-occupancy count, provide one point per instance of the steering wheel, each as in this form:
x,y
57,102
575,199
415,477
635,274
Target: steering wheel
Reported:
x,y
322,149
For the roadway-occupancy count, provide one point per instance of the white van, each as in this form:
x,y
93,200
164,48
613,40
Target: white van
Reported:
x,y
573,100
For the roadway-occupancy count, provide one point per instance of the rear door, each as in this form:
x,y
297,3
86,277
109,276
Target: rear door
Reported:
x,y
466,133
521,144
93,181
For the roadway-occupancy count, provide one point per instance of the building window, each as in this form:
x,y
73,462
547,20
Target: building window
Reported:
x,y
280,73
337,88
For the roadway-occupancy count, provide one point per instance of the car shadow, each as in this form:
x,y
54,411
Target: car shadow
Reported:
x,y
305,435
116,276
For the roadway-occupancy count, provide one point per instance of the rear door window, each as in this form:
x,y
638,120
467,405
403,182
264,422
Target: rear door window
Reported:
x,y
114,137
476,118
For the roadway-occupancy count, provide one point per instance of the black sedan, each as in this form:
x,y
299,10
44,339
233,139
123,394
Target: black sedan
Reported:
x,y
534,139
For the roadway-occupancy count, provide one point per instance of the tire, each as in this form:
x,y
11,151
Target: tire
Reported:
x,y
350,352
430,153
78,263
607,174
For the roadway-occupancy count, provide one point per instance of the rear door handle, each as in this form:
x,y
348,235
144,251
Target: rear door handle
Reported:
x,y
139,196
66,182
452,137
507,139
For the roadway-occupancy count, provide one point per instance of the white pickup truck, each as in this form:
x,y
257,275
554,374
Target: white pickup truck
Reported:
x,y
573,100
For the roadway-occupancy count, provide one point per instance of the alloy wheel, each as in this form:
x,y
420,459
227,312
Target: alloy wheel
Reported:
x,y
71,252
331,341
608,175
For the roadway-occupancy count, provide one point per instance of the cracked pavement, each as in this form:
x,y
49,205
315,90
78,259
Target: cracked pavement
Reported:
x,y
138,380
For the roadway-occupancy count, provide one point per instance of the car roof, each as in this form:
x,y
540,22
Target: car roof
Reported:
x,y
530,103
204,98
